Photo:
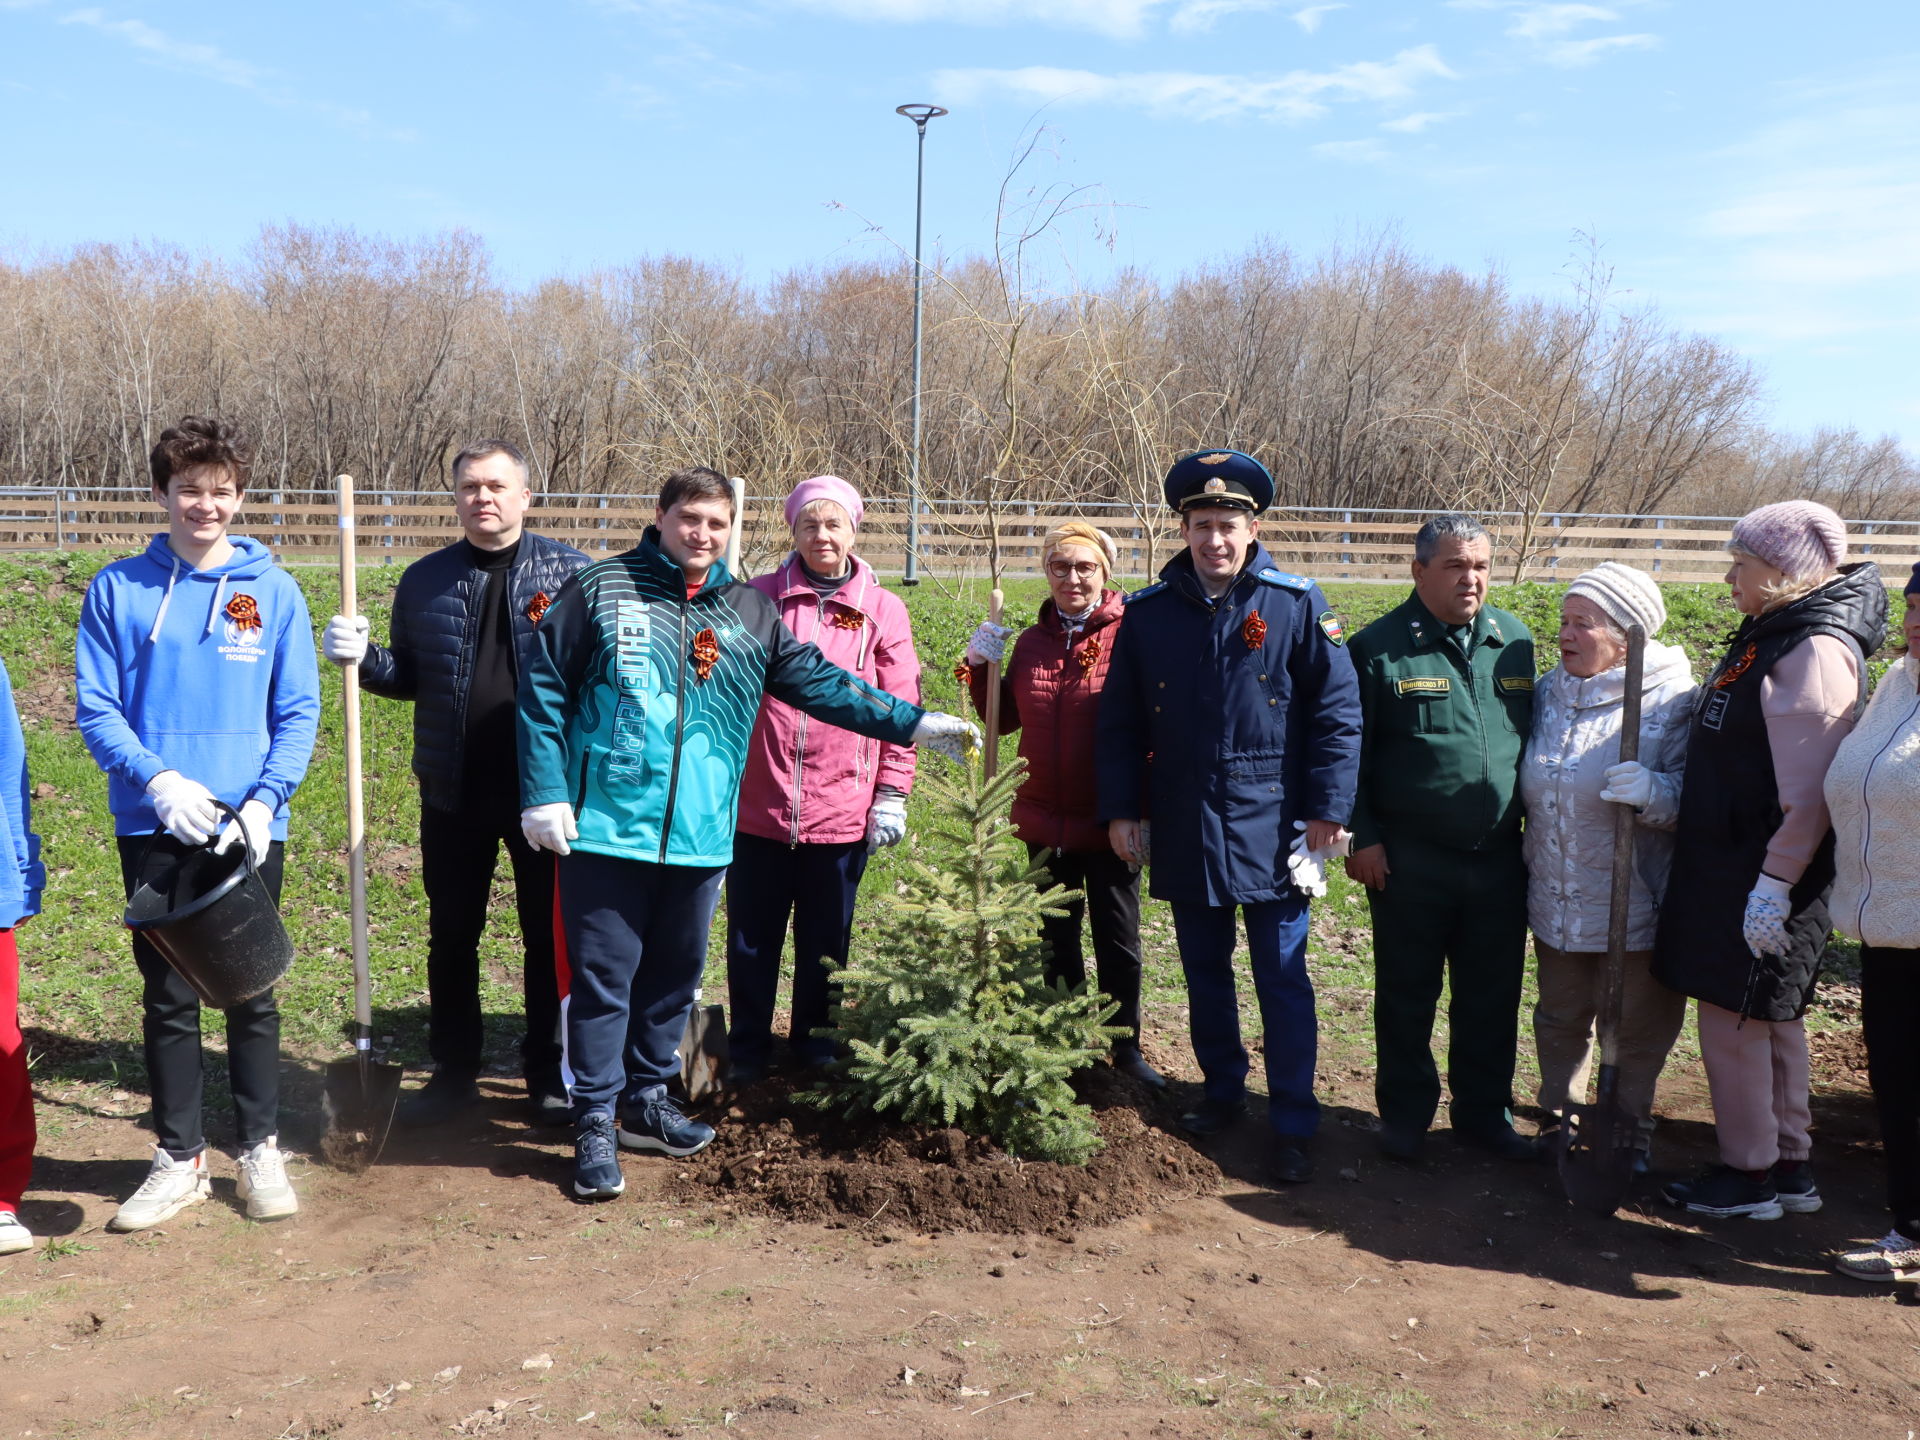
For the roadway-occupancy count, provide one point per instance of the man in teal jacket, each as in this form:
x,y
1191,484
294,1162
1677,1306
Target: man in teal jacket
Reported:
x,y
635,712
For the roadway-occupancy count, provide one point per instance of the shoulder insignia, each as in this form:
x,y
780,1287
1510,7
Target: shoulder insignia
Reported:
x,y
1331,627
1494,625
1419,629
1273,576
1516,684
1153,589
1423,685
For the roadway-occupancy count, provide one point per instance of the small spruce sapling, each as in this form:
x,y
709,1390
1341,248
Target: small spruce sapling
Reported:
x,y
949,1019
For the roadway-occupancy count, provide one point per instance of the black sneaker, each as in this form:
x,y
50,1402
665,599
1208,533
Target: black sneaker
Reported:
x,y
1503,1142
1292,1162
444,1097
1725,1193
656,1123
547,1100
1210,1117
1400,1142
596,1159
1128,1060
1793,1187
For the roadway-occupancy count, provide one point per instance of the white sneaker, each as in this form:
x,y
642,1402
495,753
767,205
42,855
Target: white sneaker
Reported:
x,y
14,1237
171,1185
1893,1257
263,1182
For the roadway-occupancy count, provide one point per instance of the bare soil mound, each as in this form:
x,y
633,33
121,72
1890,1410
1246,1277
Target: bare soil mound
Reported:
x,y
784,1156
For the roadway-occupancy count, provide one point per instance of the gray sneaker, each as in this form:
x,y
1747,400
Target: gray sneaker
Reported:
x,y
14,1237
263,1182
170,1187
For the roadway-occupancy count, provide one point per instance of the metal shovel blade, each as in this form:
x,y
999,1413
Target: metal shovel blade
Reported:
x,y
1603,1142
704,1052
359,1101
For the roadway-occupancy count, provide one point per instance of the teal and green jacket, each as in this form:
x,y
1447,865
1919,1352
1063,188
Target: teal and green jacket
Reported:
x,y
637,704
1446,719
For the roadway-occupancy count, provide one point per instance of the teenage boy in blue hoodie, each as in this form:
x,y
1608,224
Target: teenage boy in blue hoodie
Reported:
x,y
197,682
21,876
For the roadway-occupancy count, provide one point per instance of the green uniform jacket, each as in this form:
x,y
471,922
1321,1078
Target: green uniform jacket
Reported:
x,y
1445,729
617,719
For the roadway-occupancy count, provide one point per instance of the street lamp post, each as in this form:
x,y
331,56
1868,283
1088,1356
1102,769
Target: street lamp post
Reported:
x,y
919,115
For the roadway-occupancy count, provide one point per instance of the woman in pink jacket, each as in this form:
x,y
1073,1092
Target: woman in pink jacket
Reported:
x,y
815,800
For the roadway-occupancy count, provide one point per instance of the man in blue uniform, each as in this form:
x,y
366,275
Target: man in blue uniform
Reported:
x,y
1231,719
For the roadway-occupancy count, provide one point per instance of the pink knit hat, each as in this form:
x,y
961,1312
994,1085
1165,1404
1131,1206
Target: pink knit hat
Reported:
x,y
826,487
1799,538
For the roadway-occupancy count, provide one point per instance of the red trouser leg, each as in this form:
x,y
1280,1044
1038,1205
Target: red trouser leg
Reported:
x,y
16,1095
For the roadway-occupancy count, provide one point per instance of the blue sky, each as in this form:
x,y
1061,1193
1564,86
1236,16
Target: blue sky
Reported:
x,y
1753,168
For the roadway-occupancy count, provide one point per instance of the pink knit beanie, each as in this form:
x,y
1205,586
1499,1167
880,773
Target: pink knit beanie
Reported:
x,y
1799,538
826,487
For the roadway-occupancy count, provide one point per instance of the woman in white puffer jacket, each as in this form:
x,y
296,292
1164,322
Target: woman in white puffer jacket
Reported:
x,y
1572,780
1873,795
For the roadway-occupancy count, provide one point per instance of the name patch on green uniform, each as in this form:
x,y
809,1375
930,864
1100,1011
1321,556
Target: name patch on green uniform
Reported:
x,y
1423,685
1516,684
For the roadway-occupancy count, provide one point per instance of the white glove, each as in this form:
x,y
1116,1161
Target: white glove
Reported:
x,y
1629,783
255,826
886,821
1768,906
988,643
1307,867
185,807
344,641
549,827
949,734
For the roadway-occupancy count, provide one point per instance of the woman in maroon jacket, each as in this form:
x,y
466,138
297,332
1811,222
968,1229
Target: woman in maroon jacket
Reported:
x,y
1049,691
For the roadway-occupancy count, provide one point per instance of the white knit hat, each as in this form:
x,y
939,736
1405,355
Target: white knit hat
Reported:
x,y
1629,596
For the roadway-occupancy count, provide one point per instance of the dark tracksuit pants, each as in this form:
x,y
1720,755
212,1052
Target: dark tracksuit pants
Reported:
x,y
170,1024
635,941
768,882
1277,945
1889,1016
1462,912
1111,906
459,851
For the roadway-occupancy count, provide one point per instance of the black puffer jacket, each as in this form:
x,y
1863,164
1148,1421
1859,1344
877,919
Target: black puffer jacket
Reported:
x,y
1730,807
436,627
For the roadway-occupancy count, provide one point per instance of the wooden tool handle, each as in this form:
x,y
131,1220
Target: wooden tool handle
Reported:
x,y
356,804
1620,907
990,756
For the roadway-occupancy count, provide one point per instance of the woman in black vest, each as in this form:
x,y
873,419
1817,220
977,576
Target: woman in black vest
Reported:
x,y
1754,850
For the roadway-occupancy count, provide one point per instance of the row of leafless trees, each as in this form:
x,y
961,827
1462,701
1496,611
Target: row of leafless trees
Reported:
x,y
1363,377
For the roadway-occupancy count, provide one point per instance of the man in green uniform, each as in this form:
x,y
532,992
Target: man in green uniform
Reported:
x,y
1446,689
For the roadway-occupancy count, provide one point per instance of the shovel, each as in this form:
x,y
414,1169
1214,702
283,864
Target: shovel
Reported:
x,y
1604,1140
361,1093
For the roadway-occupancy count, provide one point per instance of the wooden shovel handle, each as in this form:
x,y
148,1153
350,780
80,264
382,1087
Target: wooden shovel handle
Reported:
x,y
356,804
1620,907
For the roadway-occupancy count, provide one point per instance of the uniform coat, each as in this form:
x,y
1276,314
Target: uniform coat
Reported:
x,y
1224,724
812,784
1050,690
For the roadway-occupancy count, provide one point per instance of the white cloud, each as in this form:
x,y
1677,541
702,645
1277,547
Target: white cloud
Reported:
x,y
1196,17
1571,54
1538,22
1119,18
1296,95
1413,124
1352,152
206,61
1308,18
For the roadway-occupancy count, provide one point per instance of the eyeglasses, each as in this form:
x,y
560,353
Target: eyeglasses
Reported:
x,y
1076,570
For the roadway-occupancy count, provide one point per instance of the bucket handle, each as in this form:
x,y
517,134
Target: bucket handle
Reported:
x,y
226,810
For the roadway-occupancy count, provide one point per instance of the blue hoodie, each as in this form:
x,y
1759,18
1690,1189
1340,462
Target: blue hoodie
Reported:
x,y
175,670
21,874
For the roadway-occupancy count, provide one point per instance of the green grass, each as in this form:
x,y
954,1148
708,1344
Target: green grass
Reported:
x,y
80,988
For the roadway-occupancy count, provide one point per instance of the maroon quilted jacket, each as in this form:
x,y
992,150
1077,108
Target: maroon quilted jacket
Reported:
x,y
1050,693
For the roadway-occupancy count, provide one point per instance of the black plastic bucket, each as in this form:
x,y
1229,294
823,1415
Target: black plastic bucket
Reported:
x,y
214,920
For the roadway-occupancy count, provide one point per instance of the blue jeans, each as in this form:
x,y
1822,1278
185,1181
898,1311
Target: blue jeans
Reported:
x,y
1277,940
635,938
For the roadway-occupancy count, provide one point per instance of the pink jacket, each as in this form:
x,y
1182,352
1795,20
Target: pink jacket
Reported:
x,y
809,783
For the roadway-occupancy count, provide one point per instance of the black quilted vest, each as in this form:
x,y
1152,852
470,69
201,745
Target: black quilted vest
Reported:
x,y
1730,807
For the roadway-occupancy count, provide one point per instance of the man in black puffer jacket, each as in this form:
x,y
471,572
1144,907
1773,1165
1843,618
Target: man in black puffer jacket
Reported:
x,y
463,623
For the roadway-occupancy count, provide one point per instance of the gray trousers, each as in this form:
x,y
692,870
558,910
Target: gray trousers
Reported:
x,y
1563,1026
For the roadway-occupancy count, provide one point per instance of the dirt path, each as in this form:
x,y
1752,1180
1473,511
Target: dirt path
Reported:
x,y
456,1290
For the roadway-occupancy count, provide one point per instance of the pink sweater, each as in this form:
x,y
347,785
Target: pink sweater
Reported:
x,y
1809,698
